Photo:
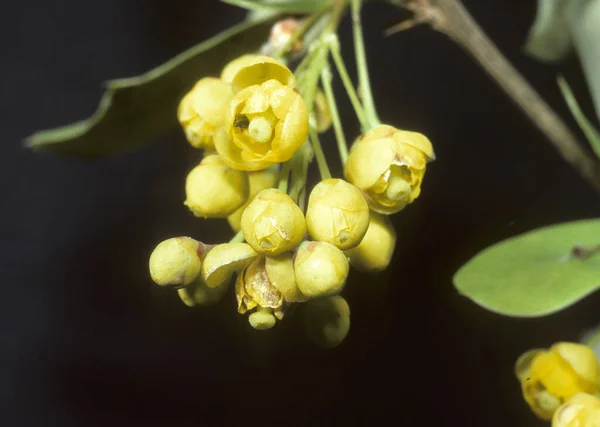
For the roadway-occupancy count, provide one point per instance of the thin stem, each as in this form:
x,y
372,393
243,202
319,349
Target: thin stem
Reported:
x,y
334,48
361,66
591,133
284,176
335,116
451,18
238,238
321,161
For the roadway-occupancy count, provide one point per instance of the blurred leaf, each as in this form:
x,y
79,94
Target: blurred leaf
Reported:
x,y
534,274
586,126
283,6
563,25
133,111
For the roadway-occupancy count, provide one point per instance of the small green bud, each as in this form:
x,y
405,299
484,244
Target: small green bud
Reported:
x,y
214,190
176,262
321,269
375,251
273,223
327,320
337,213
197,293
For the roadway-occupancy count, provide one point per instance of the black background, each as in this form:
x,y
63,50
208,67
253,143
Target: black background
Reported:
x,y
87,339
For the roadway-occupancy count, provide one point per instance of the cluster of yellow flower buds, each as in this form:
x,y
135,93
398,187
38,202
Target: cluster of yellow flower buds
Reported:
x,y
249,121
556,376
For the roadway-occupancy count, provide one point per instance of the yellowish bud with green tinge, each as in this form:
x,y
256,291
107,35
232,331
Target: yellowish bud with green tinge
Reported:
x,y
388,165
581,410
253,289
321,269
375,251
255,70
322,112
337,213
273,223
327,320
176,262
224,260
264,125
550,377
197,293
262,319
214,190
202,111
259,180
280,270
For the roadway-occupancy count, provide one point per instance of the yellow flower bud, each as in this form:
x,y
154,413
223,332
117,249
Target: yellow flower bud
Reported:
x,y
337,213
197,293
232,68
581,410
388,165
375,251
202,111
224,260
280,271
321,269
273,223
550,377
253,288
259,180
322,112
265,124
255,70
327,320
213,189
176,262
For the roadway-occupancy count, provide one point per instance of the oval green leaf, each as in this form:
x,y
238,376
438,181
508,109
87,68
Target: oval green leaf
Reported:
x,y
133,111
534,274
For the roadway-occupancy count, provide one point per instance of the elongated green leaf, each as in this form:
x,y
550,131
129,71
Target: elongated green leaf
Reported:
x,y
534,274
135,110
283,6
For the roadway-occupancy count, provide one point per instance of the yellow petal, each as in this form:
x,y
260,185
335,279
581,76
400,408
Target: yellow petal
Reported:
x,y
261,69
224,260
280,270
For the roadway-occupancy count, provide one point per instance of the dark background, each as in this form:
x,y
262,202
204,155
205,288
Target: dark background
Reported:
x,y
87,339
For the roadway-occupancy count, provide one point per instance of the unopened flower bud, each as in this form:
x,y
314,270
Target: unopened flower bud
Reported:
x,y
280,270
327,320
214,190
197,293
375,251
550,377
281,33
273,223
202,111
581,410
224,260
388,165
259,180
176,262
321,269
337,213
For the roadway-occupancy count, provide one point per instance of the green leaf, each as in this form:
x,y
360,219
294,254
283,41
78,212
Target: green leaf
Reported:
x,y
133,111
283,6
586,126
562,26
534,274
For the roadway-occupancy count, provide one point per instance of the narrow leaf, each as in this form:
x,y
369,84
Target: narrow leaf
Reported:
x,y
283,6
536,273
586,126
135,110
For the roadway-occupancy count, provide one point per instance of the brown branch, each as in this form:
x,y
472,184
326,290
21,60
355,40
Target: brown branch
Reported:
x,y
451,18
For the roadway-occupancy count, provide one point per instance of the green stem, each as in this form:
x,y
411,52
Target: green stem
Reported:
x,y
361,66
284,176
590,132
335,116
238,238
334,48
321,161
